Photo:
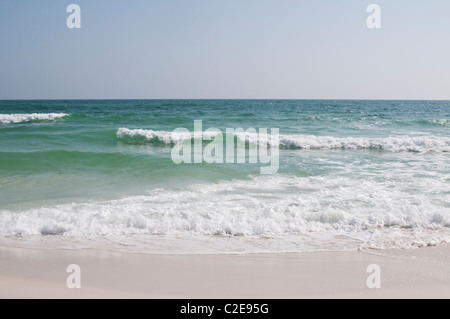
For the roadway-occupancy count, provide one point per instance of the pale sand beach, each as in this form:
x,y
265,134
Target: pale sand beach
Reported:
x,y
419,273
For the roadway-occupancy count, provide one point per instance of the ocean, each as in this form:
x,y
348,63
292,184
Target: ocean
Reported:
x,y
99,174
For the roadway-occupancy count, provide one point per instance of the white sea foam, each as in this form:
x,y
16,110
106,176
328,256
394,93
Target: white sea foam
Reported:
x,y
24,118
394,144
438,122
162,136
321,213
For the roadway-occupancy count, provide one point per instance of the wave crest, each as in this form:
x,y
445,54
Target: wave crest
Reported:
x,y
394,144
164,137
24,118
309,142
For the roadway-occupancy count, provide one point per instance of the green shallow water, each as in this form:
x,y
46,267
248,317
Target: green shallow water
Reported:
x,y
383,162
85,141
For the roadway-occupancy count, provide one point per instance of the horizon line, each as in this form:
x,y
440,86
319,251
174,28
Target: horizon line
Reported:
x,y
221,99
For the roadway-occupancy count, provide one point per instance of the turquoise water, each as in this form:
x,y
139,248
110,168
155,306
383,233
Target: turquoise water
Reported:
x,y
352,174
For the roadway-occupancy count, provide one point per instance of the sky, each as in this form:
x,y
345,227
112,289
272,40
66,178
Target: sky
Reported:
x,y
225,49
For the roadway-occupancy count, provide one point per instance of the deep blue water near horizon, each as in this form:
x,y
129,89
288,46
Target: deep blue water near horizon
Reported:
x,y
352,174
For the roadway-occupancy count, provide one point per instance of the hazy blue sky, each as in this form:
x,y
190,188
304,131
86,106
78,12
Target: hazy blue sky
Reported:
x,y
225,49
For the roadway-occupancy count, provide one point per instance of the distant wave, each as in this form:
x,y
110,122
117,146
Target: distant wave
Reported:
x,y
437,122
310,142
24,118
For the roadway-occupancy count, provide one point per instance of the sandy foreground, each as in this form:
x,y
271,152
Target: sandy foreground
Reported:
x,y
422,273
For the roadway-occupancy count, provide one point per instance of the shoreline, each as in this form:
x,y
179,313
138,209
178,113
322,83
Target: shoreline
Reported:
x,y
417,273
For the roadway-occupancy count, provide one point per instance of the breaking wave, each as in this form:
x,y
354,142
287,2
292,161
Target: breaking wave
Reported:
x,y
25,118
311,142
